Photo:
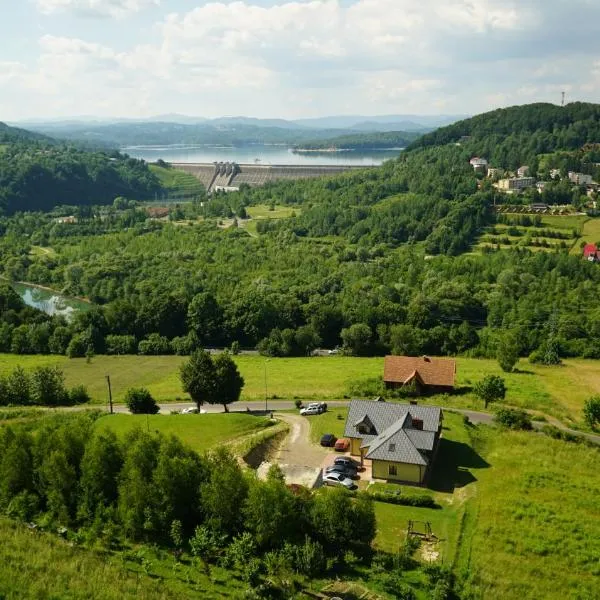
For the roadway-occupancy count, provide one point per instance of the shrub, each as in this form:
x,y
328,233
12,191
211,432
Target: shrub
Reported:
x,y
120,344
155,345
559,434
79,395
140,402
513,419
591,411
418,500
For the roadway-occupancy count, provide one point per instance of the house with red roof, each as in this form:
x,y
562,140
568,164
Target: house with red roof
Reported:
x,y
591,253
426,374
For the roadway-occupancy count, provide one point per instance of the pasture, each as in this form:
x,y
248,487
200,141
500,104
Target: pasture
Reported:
x,y
556,391
200,432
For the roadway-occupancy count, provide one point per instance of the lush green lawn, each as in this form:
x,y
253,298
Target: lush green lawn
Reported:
x,y
200,432
558,391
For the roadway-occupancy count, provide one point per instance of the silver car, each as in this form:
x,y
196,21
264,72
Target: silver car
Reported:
x,y
339,480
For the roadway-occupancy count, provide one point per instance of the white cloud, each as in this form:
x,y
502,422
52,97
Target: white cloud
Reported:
x,y
97,8
317,56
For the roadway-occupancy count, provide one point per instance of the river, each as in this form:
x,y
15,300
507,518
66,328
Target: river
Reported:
x,y
49,301
259,154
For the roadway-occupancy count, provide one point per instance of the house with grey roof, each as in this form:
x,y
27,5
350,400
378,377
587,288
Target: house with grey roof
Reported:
x,y
400,440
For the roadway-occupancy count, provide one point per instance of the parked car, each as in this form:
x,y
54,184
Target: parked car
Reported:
x,y
321,406
343,470
342,445
328,440
347,461
310,410
333,352
338,480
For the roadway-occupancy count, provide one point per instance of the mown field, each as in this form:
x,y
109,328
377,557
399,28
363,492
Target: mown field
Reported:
x,y
200,432
517,509
557,391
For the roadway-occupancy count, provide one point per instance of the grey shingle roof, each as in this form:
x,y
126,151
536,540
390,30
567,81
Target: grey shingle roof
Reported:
x,y
395,446
396,440
385,414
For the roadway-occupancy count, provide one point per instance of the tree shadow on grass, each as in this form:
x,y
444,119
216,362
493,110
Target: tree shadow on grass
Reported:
x,y
451,468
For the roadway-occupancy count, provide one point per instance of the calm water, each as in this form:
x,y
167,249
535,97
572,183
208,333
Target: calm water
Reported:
x,y
258,154
50,302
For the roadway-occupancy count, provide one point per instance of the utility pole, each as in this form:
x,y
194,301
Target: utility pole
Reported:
x,y
266,360
109,394
563,99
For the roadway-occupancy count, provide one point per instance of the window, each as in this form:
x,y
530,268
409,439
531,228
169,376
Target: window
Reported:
x,y
392,470
392,448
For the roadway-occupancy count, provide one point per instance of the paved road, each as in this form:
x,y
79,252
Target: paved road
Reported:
x,y
475,417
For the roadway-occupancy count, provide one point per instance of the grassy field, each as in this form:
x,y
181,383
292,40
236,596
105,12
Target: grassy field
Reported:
x,y
557,391
43,566
177,182
517,508
200,432
590,235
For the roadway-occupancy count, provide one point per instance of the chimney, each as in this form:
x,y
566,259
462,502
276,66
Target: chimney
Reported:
x,y
413,402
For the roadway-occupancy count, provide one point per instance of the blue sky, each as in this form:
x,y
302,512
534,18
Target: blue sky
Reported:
x,y
138,58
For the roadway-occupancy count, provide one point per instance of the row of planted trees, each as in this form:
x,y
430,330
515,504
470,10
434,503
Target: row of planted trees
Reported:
x,y
147,487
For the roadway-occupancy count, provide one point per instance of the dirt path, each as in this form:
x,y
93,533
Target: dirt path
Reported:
x,y
297,450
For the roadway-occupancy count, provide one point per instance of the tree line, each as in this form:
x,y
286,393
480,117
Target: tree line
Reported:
x,y
147,487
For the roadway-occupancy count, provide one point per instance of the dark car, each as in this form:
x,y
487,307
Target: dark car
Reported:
x,y
328,440
347,462
343,470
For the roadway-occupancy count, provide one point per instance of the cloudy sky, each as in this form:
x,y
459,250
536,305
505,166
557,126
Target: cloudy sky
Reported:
x,y
137,58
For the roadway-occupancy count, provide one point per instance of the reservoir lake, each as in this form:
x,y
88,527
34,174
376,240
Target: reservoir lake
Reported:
x,y
49,301
261,155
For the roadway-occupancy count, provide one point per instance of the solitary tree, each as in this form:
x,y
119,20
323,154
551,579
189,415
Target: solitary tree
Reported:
x,y
198,378
508,352
591,411
228,381
490,389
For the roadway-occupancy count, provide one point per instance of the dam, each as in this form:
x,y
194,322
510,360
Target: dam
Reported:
x,y
229,176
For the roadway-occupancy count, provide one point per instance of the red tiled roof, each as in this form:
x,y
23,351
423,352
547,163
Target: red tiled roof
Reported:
x,y
431,371
589,250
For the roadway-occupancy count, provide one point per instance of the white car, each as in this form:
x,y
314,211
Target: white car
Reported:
x,y
339,480
192,410
310,410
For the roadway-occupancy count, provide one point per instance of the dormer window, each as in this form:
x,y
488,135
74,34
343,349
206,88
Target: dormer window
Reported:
x,y
365,426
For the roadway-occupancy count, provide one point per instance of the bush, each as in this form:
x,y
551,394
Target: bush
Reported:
x,y
559,434
120,344
140,402
513,419
155,345
418,500
79,395
591,411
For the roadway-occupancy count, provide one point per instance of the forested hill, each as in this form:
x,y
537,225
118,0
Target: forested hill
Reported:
x,y
15,134
36,175
363,141
509,137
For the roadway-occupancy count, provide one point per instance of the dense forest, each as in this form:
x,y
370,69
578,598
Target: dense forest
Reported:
x,y
515,136
39,176
375,261
362,141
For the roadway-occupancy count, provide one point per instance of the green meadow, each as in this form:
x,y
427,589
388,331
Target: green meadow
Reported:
x,y
516,510
556,391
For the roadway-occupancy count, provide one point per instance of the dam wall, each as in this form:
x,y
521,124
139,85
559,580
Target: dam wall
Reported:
x,y
229,175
